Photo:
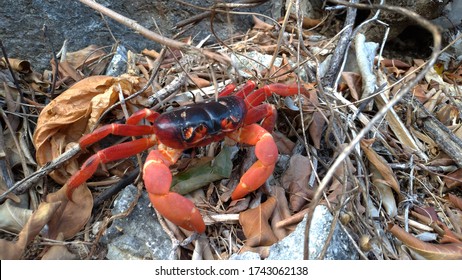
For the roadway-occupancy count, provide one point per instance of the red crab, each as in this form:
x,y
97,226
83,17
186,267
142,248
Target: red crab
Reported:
x,y
234,116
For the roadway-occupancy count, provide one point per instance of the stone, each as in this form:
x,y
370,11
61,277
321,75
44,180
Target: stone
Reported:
x,y
289,248
139,235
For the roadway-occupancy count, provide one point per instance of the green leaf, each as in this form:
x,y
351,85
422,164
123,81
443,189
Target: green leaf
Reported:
x,y
204,173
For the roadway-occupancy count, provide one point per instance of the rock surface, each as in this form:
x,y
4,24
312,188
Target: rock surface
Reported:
x,y
138,236
290,248
22,23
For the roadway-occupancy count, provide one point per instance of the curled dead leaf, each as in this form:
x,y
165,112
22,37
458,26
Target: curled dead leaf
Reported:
x,y
22,66
454,179
386,197
255,224
71,216
451,251
295,180
74,113
14,250
260,24
455,200
87,56
380,164
13,217
354,83
280,213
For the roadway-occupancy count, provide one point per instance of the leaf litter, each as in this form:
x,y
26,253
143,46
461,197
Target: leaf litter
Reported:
x,y
402,179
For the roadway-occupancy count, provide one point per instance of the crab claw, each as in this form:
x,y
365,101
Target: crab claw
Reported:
x,y
173,206
179,210
266,152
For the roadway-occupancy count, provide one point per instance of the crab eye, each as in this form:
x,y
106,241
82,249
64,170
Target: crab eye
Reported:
x,y
201,129
194,134
229,123
188,133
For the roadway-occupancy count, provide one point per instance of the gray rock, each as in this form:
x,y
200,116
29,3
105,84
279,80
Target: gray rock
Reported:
x,y
23,20
340,247
245,256
290,248
138,236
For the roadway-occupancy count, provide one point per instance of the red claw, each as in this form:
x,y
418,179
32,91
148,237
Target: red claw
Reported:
x,y
157,180
267,155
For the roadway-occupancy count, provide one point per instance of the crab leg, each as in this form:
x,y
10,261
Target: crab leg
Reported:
x,y
116,152
113,153
258,96
129,129
265,111
157,180
267,155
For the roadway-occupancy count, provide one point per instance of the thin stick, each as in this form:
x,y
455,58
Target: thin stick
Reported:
x,y
24,184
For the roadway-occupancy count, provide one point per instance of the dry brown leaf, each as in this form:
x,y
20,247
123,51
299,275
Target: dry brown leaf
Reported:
x,y
447,114
354,83
380,164
386,196
317,128
455,77
455,200
284,144
394,63
456,180
66,71
59,252
281,213
295,179
288,77
13,216
306,21
74,113
255,224
19,65
429,216
198,81
14,250
71,216
452,251
318,119
260,24
86,56
340,183
420,92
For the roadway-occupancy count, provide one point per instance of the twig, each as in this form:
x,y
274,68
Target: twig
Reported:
x,y
330,79
24,184
443,136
